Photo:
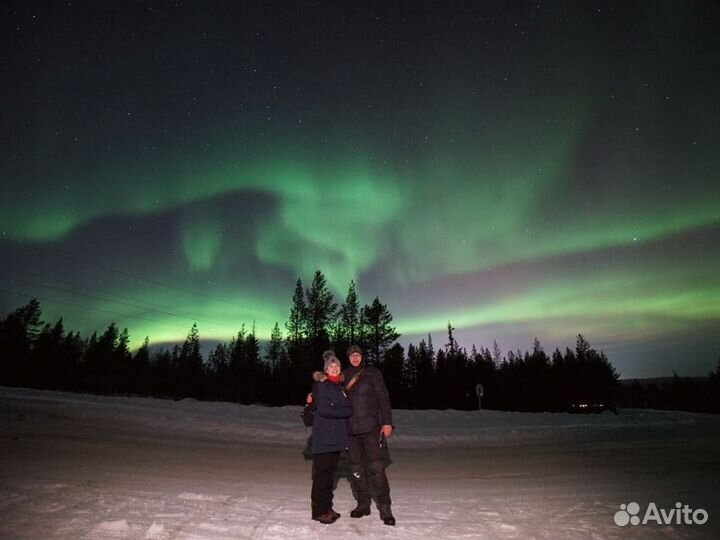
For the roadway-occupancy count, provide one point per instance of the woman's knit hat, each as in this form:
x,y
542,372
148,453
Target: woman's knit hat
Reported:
x,y
328,358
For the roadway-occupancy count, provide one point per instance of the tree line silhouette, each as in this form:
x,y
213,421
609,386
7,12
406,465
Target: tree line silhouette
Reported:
x,y
37,354
698,394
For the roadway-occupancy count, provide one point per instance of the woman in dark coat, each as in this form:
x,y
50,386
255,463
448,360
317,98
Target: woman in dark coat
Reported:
x,y
329,436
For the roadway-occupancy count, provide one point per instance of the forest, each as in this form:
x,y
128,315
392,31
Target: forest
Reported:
x,y
46,355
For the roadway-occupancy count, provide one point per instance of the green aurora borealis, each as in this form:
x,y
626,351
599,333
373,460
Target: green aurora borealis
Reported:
x,y
535,170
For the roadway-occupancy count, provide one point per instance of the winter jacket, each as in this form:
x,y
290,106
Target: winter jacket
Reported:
x,y
370,400
329,433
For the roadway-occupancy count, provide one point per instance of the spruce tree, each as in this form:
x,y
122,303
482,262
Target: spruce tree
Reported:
x,y
47,355
190,365
410,376
253,370
299,364
141,369
347,330
425,373
296,324
237,366
378,330
220,374
393,368
18,332
321,310
277,359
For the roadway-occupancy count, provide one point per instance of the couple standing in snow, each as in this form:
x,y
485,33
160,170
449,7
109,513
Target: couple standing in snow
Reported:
x,y
352,412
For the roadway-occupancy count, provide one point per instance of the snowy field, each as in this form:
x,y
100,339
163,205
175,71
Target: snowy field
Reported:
x,y
90,467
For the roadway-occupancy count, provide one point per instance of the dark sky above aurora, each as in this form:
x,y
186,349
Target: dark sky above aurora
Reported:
x,y
519,168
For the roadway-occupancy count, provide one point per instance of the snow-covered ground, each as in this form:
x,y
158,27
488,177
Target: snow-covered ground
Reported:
x,y
91,467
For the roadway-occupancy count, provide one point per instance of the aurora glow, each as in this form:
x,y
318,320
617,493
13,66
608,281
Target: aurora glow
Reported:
x,y
520,170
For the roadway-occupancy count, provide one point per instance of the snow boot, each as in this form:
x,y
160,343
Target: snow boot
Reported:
x,y
327,518
362,509
386,514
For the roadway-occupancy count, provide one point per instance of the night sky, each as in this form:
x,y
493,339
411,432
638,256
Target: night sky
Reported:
x,y
520,169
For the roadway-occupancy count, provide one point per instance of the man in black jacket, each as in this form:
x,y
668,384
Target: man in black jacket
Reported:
x,y
369,426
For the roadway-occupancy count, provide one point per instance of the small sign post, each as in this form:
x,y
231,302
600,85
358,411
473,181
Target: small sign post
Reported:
x,y
479,391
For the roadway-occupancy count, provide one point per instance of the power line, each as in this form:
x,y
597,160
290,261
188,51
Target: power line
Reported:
x,y
131,275
63,302
103,296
